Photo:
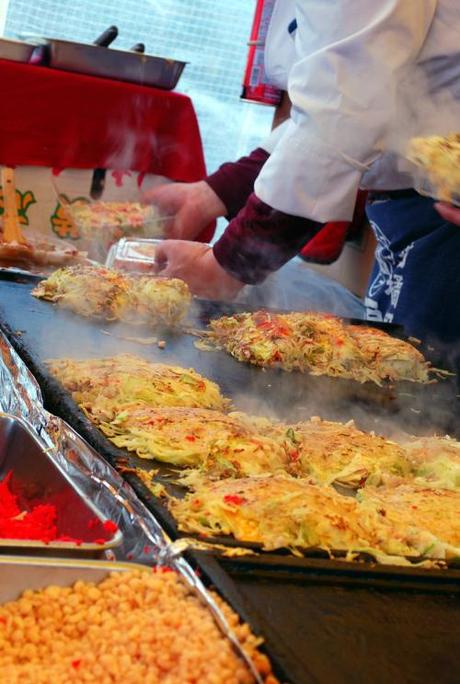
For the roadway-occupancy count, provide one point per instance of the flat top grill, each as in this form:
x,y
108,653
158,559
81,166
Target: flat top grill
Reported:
x,y
323,620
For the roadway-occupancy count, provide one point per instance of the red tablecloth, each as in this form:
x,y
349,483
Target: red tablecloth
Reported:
x,y
60,119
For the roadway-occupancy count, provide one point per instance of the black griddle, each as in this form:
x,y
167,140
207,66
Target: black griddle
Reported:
x,y
47,332
326,627
39,330
372,622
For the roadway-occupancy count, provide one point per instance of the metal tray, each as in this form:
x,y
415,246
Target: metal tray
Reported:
x,y
38,479
15,50
120,65
18,573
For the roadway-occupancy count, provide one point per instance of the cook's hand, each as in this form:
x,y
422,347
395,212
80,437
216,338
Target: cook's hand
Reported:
x,y
449,213
195,263
192,207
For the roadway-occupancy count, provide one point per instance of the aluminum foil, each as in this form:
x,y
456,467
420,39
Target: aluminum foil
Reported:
x,y
20,396
144,540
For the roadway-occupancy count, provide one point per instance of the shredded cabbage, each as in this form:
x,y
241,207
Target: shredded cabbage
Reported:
x,y
319,344
98,292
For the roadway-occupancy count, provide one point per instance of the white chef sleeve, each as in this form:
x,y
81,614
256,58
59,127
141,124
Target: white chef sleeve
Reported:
x,y
271,141
351,57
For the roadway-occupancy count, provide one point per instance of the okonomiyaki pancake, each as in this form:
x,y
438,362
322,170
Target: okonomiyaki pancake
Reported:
x,y
434,510
102,293
224,445
435,461
331,452
283,512
319,344
101,387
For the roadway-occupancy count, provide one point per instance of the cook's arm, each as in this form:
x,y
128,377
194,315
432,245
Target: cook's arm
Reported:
x,y
233,182
260,240
352,55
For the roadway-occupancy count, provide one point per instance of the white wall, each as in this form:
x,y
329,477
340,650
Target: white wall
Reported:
x,y
3,12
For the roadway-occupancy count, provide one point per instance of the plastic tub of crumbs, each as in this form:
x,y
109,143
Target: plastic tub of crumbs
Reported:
x,y
120,623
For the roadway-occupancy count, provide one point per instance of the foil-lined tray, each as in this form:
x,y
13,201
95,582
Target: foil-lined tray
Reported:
x,y
143,538
36,479
21,396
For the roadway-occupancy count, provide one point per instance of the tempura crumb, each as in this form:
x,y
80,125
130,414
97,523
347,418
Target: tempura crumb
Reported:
x,y
132,627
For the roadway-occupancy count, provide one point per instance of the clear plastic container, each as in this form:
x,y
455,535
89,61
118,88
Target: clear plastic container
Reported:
x,y
136,255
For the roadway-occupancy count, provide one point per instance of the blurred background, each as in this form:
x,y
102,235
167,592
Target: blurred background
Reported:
x,y
211,36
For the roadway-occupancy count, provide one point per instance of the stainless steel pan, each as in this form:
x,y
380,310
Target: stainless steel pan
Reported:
x,y
17,574
122,65
15,50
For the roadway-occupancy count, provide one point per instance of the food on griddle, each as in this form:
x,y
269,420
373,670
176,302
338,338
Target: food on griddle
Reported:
x,y
225,445
98,292
319,344
175,415
135,626
40,252
434,510
91,291
292,341
439,158
331,452
101,387
238,445
435,461
283,512
166,300
393,359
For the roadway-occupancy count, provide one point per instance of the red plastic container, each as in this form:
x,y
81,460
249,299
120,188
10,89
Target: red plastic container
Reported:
x,y
255,85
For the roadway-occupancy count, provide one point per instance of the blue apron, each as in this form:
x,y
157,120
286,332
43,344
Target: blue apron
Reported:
x,y
416,276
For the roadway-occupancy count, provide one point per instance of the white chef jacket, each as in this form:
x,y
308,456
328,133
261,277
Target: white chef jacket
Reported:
x,y
353,70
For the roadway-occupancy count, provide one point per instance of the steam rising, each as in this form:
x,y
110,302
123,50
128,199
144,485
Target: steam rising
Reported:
x,y
125,142
424,106
292,396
